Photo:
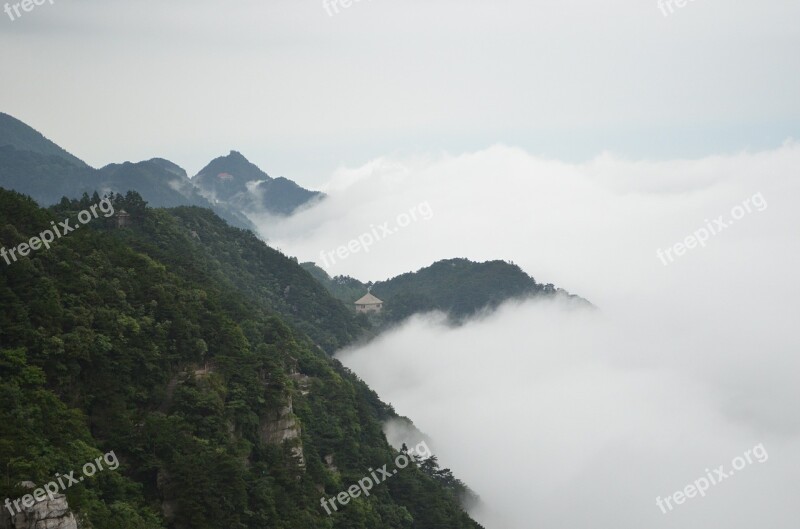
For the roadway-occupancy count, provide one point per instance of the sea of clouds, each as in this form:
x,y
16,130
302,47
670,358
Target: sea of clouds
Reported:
x,y
565,419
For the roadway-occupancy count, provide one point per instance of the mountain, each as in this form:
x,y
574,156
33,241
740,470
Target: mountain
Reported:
x,y
164,184
226,177
45,177
17,134
459,287
199,244
281,196
345,288
235,180
34,165
162,343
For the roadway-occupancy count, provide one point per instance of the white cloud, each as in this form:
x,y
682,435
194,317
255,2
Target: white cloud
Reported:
x,y
563,419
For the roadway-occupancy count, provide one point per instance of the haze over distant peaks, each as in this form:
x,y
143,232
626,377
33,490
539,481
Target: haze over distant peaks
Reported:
x,y
230,185
234,179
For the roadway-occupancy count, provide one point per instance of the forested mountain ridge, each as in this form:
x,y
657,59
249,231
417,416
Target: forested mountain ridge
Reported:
x,y
34,165
221,413
201,245
458,287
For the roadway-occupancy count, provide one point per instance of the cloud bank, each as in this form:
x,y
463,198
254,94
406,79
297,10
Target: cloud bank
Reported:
x,y
565,419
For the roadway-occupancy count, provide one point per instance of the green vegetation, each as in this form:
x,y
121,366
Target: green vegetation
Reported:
x,y
344,288
198,244
190,349
458,287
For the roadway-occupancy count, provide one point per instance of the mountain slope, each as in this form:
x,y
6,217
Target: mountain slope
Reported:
x,y
164,184
32,164
201,245
226,177
235,180
345,288
45,177
458,287
17,134
220,413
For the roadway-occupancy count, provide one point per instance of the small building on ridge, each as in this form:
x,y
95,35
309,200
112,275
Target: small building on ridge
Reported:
x,y
369,303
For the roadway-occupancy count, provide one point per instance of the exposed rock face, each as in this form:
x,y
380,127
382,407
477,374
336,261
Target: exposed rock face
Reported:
x,y
303,382
282,427
45,514
330,464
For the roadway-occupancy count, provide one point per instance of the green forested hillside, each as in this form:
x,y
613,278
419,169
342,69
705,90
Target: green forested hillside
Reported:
x,y
200,245
345,288
458,287
146,341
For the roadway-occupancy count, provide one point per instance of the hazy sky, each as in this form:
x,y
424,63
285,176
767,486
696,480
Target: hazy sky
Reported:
x,y
301,92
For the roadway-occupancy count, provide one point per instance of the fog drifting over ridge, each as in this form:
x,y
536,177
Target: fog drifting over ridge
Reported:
x,y
573,419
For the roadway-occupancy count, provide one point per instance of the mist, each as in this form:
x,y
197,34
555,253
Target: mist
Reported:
x,y
563,418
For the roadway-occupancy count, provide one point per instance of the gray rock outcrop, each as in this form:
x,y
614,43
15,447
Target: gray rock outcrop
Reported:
x,y
45,514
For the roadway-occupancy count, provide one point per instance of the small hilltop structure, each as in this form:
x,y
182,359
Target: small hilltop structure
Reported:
x,y
123,219
369,303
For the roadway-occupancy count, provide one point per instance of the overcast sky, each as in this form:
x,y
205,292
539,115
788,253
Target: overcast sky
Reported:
x,y
301,92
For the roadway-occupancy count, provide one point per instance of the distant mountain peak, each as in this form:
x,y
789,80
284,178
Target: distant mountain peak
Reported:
x,y
230,185
236,180
225,176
